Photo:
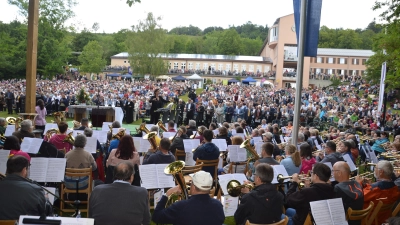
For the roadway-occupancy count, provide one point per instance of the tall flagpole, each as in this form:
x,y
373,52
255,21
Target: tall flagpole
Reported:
x,y
300,67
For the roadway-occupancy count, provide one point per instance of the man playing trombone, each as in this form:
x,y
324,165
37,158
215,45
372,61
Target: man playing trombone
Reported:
x,y
263,198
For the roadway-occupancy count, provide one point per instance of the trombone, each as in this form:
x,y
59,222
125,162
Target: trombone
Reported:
x,y
173,138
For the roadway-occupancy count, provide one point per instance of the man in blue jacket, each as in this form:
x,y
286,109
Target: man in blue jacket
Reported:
x,y
199,209
207,151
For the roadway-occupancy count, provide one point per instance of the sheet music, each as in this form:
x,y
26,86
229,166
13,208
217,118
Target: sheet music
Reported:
x,y
189,159
168,134
239,135
100,135
257,139
190,144
349,162
105,127
9,130
38,169
221,144
148,176
278,169
157,196
233,132
329,164
237,154
320,212
336,210
230,205
317,144
31,145
3,160
141,144
164,180
55,169
216,132
64,220
51,197
91,145
374,159
258,147
220,162
47,127
225,178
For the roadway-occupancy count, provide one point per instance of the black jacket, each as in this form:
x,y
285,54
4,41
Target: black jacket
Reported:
x,y
178,143
351,192
263,205
156,104
300,200
20,197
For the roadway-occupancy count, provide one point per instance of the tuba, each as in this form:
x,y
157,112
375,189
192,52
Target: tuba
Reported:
x,y
161,126
246,145
151,137
76,124
58,117
235,188
175,169
118,135
143,128
51,132
69,138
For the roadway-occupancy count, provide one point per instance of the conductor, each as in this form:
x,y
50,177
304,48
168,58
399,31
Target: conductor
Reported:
x,y
156,103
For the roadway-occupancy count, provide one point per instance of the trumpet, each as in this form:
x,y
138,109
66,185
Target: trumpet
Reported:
x,y
161,126
281,178
367,174
235,188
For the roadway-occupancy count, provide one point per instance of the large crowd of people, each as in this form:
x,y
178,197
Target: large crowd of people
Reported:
x,y
335,124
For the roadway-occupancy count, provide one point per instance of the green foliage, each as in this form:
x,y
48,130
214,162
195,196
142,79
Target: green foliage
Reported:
x,y
209,81
190,30
131,2
82,39
252,31
145,45
230,43
91,59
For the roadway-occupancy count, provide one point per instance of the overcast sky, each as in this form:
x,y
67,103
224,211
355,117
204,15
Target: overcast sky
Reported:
x,y
114,15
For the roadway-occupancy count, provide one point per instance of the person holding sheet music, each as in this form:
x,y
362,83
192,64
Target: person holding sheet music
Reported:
x,y
263,198
25,130
207,151
178,141
58,139
331,155
292,161
349,190
11,143
384,189
162,156
120,202
199,209
235,140
298,202
18,195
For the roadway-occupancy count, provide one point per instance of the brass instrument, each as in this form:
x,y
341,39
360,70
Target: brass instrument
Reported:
x,y
367,174
193,135
235,188
14,121
69,138
76,124
11,120
161,126
173,138
246,145
58,117
175,169
51,132
151,137
142,128
118,135
281,178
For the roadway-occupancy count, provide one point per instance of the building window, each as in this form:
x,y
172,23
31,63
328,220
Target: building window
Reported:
x,y
342,61
317,71
197,66
235,67
183,65
176,66
319,59
212,66
169,65
251,68
330,60
364,61
220,67
228,67
266,69
355,61
259,69
243,67
124,61
190,66
329,71
273,34
205,66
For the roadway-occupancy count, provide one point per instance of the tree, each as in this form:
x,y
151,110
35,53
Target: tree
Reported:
x,y
82,39
231,43
131,2
145,45
95,27
91,59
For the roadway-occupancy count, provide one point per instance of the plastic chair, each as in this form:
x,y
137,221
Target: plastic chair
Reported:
x,y
360,215
76,173
282,222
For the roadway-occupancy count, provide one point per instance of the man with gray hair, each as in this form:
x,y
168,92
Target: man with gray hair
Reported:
x,y
267,138
25,131
78,157
192,128
384,189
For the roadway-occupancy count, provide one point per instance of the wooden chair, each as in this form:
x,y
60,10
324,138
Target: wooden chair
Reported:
x,y
282,222
76,173
396,210
8,222
232,168
308,220
360,215
180,153
212,163
192,169
372,218
383,208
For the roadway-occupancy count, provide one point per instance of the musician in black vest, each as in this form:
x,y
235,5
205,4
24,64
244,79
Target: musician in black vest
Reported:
x,y
190,109
156,103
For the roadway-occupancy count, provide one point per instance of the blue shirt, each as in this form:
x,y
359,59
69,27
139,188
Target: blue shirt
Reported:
x,y
113,144
289,166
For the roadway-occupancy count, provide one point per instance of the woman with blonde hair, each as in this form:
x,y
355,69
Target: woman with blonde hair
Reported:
x,y
292,162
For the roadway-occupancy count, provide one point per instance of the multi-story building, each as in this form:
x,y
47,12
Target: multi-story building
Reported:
x,y
277,61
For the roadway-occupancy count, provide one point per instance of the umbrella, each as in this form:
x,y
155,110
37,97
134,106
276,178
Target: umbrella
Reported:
x,y
180,77
113,75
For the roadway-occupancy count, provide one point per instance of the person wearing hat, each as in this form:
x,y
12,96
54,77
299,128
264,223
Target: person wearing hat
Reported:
x,y
199,209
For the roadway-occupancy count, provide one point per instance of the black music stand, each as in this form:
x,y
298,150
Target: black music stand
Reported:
x,y
98,117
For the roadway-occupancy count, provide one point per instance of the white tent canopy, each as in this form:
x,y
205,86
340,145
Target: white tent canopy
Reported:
x,y
163,77
267,83
194,77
